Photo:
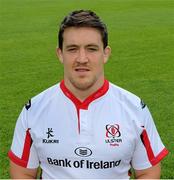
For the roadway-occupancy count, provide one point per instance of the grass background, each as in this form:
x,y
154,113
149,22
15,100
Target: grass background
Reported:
x,y
141,34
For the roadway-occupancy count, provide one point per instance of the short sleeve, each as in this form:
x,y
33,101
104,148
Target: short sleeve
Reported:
x,y
149,149
23,152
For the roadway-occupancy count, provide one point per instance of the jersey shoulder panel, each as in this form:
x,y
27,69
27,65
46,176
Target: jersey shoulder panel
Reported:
x,y
40,103
126,97
132,105
44,97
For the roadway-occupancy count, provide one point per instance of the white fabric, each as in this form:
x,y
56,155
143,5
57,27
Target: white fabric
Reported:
x,y
108,143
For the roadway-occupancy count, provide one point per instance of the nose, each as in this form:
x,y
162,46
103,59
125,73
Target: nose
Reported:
x,y
82,56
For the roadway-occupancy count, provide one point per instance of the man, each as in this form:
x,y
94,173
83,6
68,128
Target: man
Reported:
x,y
85,127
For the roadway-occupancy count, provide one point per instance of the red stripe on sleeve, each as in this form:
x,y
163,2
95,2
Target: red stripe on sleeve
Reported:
x,y
23,161
16,159
27,146
160,156
147,145
153,160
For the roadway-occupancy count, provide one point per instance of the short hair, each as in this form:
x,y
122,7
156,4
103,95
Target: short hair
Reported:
x,y
83,18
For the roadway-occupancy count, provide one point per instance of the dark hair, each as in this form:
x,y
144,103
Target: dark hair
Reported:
x,y
83,18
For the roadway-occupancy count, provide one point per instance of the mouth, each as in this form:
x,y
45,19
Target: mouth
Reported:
x,y
81,69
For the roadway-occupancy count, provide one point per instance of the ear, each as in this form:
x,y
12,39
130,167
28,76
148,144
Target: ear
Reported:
x,y
107,52
59,54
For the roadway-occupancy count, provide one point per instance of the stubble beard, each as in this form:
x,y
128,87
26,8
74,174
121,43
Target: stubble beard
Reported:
x,y
83,84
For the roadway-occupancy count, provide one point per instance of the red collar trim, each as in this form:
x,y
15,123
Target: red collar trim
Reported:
x,y
84,105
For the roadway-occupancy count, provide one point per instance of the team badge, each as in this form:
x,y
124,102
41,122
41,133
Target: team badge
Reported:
x,y
113,135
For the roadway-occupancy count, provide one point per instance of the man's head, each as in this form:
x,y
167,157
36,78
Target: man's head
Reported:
x,y
83,18
83,50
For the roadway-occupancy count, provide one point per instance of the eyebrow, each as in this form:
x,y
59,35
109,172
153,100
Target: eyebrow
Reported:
x,y
75,45
71,45
92,45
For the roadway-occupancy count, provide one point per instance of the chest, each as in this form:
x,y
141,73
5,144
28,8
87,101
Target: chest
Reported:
x,y
100,132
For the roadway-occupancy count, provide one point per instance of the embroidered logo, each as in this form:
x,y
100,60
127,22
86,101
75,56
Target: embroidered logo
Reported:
x,y
83,151
49,137
49,133
113,134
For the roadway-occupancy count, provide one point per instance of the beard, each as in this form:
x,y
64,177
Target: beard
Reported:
x,y
82,83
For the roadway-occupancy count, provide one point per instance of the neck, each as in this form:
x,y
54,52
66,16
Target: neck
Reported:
x,y
82,94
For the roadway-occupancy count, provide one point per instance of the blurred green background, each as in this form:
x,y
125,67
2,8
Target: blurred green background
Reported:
x,y
141,35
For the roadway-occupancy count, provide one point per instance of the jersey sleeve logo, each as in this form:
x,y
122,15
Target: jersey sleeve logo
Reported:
x,y
143,105
113,134
28,104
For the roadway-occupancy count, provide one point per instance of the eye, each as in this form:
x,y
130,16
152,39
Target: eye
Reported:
x,y
92,49
72,49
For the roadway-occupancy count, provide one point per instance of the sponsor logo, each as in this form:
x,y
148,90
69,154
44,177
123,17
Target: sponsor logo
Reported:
x,y
113,134
83,151
49,137
83,163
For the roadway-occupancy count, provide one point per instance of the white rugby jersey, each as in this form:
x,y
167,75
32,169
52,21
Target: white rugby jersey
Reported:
x,y
101,137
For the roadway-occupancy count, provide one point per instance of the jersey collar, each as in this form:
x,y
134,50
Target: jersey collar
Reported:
x,y
84,105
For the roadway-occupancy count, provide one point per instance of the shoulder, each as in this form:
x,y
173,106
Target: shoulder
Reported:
x,y
127,98
42,98
135,109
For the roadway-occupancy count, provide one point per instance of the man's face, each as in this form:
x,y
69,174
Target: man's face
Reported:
x,y
83,57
